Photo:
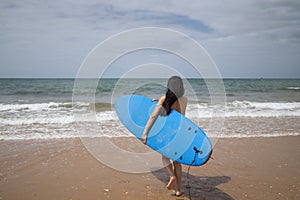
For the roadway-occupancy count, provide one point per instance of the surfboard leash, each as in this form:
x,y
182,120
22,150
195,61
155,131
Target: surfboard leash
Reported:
x,y
188,174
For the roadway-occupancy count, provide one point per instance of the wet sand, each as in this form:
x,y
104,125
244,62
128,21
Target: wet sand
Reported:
x,y
240,168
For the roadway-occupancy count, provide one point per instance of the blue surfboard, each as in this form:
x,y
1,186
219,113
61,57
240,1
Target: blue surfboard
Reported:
x,y
173,136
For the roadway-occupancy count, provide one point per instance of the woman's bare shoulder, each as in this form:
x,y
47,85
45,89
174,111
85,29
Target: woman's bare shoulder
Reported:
x,y
183,98
161,100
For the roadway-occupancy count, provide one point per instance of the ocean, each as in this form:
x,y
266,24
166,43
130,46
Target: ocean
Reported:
x,y
45,108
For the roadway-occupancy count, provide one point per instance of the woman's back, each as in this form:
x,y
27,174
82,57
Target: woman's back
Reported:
x,y
179,105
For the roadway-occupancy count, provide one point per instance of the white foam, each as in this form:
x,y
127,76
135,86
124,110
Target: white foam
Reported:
x,y
19,107
37,120
42,106
123,134
244,109
111,129
265,135
60,120
54,118
293,88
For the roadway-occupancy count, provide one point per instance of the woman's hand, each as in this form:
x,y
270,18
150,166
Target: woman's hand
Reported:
x,y
144,138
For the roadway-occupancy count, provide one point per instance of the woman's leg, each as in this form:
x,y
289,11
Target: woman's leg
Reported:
x,y
178,175
169,169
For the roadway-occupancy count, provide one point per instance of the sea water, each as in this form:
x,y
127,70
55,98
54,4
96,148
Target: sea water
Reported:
x,y
45,108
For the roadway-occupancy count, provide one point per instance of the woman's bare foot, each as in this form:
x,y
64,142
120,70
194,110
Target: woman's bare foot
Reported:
x,y
178,193
171,182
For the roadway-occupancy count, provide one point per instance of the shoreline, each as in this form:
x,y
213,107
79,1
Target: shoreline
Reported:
x,y
233,127
240,168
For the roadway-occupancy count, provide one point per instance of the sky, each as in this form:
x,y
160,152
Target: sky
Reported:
x,y
246,39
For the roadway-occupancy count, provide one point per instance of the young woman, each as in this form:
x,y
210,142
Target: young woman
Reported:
x,y
173,99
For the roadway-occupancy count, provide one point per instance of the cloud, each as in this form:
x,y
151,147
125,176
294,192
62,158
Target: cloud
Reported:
x,y
58,34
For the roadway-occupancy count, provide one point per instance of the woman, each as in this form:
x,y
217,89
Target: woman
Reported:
x,y
173,99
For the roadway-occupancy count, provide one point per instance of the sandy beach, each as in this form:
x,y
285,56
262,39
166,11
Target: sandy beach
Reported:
x,y
244,168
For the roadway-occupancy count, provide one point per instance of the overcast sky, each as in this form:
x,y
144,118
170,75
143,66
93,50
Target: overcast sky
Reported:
x,y
246,39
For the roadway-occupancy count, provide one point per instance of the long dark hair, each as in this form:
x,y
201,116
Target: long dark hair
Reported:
x,y
174,91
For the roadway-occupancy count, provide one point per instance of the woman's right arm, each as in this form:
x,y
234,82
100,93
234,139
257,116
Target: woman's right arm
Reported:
x,y
152,119
150,123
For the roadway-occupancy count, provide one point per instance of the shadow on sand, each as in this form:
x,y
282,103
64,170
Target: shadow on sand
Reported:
x,y
201,187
